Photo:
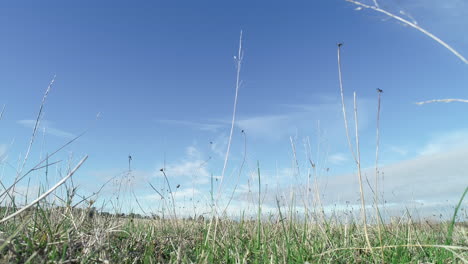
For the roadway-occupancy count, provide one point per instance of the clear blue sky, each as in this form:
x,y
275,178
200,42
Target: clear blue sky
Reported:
x,y
162,76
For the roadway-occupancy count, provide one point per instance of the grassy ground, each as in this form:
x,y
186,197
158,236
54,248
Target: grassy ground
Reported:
x,y
61,235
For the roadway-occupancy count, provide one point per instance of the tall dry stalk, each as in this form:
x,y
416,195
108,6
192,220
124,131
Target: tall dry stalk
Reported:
x,y
356,155
238,60
376,198
244,157
33,136
172,194
358,163
343,105
414,25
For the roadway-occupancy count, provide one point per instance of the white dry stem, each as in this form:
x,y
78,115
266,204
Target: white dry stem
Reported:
x,y
36,125
343,103
377,143
295,161
238,66
413,25
356,155
358,163
33,136
442,101
46,193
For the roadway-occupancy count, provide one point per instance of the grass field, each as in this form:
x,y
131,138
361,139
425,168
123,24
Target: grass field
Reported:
x,y
63,235
70,229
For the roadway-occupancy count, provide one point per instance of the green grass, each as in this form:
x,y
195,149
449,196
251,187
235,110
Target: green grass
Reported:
x,y
59,235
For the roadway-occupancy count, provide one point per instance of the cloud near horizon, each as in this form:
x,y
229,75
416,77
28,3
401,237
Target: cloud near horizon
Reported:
x,y
431,181
45,127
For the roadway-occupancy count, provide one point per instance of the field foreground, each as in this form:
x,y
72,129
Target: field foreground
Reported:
x,y
62,235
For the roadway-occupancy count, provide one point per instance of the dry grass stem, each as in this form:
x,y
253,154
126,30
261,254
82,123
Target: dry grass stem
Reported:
x,y
44,195
238,60
358,163
356,156
343,105
413,25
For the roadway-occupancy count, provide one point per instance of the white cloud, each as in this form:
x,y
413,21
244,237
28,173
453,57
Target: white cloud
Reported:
x,y
193,153
269,126
338,158
291,119
431,178
187,168
430,183
46,127
192,167
402,151
194,125
187,192
445,141
219,144
303,118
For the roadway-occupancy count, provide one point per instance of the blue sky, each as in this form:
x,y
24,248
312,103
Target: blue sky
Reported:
x,y
161,77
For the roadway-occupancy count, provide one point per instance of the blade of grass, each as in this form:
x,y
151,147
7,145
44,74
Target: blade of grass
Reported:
x,y
452,223
46,193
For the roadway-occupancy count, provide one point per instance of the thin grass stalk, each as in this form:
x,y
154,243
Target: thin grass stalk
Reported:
x,y
307,149
356,155
38,165
172,194
238,82
343,105
238,175
413,25
376,198
36,125
285,234
358,163
296,162
259,207
452,223
44,195
33,136
238,60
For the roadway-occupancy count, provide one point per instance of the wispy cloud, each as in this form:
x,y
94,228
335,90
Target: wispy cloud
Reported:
x,y
402,151
338,158
291,119
212,127
116,178
269,126
445,141
302,118
47,127
430,182
219,144
193,168
186,192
